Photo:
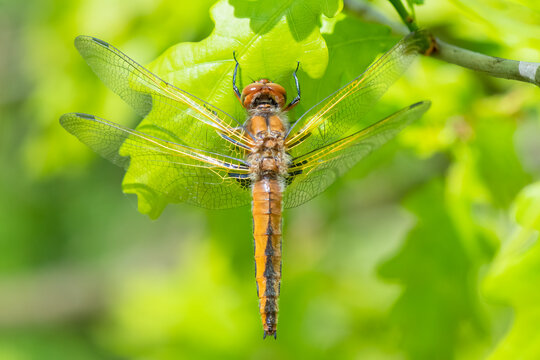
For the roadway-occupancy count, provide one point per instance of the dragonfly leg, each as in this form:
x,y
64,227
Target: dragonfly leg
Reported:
x,y
296,100
235,88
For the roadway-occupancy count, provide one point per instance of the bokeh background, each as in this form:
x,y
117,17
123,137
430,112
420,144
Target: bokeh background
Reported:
x,y
425,250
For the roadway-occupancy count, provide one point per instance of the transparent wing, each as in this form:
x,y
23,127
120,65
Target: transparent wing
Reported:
x,y
178,172
342,111
176,114
311,173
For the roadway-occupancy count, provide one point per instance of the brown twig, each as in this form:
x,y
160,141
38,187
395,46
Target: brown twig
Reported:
x,y
494,66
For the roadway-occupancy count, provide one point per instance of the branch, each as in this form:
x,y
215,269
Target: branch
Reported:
x,y
494,66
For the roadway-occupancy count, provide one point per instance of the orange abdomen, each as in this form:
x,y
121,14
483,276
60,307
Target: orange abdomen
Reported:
x,y
267,208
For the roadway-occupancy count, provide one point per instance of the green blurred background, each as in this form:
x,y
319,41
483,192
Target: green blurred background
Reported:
x,y
417,253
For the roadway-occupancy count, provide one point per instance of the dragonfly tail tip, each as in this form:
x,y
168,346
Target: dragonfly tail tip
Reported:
x,y
265,333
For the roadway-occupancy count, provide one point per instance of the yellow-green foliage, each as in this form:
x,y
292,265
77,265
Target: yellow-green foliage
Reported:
x,y
428,249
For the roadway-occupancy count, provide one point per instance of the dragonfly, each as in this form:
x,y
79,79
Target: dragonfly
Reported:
x,y
217,161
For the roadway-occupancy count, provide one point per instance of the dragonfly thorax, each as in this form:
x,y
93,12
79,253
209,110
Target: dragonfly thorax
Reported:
x,y
264,95
268,157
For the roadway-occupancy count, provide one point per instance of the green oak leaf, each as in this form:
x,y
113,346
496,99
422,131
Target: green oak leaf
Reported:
x,y
268,40
514,277
282,34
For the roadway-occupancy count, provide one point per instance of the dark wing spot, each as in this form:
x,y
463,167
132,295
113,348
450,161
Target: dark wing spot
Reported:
x,y
86,116
243,180
101,42
292,175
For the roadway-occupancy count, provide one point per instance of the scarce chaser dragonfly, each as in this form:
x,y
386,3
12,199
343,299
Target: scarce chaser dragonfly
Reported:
x,y
221,162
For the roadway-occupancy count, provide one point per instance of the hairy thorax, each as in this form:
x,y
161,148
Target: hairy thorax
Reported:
x,y
268,158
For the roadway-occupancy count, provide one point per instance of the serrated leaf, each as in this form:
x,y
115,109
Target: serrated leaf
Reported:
x,y
268,40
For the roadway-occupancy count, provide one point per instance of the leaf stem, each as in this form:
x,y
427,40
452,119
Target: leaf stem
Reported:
x,y
407,18
493,66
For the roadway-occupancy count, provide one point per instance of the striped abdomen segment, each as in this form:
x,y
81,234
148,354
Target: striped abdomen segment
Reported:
x,y
267,207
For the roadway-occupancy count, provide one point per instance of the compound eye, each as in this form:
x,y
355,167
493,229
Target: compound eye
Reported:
x,y
279,92
248,92
277,89
251,89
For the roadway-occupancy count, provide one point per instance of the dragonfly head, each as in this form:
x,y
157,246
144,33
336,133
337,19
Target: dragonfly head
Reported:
x,y
264,93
